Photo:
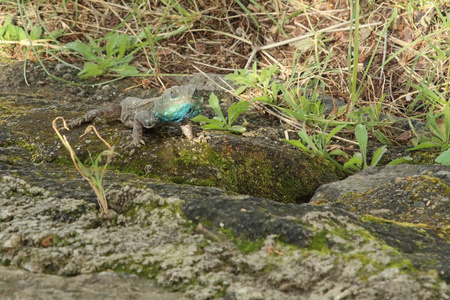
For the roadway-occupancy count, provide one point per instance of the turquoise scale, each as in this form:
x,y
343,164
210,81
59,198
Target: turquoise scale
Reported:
x,y
171,111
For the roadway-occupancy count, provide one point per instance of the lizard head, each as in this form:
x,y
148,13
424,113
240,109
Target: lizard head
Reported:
x,y
178,103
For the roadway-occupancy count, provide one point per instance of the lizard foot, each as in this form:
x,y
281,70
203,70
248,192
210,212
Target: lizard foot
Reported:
x,y
187,131
75,123
135,143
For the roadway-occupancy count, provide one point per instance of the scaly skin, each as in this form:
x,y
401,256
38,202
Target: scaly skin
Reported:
x,y
176,104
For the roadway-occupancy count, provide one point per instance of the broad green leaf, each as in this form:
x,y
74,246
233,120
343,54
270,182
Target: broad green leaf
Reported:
x,y
444,158
84,50
237,129
127,59
352,166
145,33
113,40
213,127
56,33
236,109
200,118
214,103
125,70
377,155
338,152
382,138
35,33
2,32
424,145
399,161
90,70
362,138
217,122
240,90
15,33
354,163
123,47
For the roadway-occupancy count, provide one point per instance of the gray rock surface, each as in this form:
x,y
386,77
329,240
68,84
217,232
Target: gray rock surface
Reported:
x,y
408,206
265,250
17,284
381,234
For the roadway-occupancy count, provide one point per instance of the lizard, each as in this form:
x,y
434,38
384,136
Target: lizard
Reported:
x,y
177,104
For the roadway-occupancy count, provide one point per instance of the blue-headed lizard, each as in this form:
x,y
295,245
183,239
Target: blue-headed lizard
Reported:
x,y
177,104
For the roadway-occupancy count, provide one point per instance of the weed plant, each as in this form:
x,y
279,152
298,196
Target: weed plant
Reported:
x,y
221,122
95,173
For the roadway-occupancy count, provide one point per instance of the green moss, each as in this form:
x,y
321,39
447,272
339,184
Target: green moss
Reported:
x,y
370,218
6,262
203,160
360,256
319,243
150,271
424,157
243,244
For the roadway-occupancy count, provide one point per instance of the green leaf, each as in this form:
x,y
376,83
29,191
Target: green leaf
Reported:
x,y
214,103
299,115
382,138
434,127
362,138
444,158
200,118
125,70
113,40
354,163
57,33
333,132
265,99
338,152
447,123
123,47
218,122
306,139
399,161
84,50
35,33
236,109
14,33
298,144
378,154
213,127
237,129
240,90
424,145
90,70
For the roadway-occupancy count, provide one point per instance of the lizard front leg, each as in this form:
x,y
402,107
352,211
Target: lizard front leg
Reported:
x,y
110,112
142,119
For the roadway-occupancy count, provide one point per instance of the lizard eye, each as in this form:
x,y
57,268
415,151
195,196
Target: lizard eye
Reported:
x,y
174,94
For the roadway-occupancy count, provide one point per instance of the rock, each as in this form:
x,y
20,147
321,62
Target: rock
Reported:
x,y
20,284
260,248
386,198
